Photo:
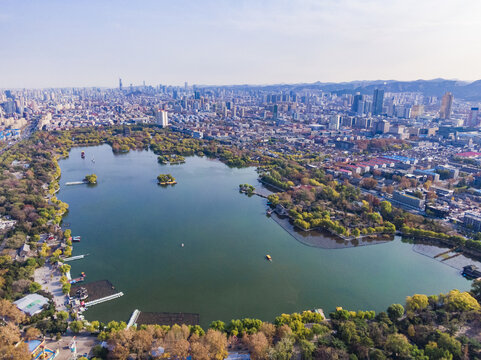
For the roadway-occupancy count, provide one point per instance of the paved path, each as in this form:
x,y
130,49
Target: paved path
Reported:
x,y
50,281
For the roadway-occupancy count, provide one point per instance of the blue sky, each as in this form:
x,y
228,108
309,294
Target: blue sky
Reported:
x,y
53,43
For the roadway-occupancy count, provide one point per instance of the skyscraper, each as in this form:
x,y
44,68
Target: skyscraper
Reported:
x,y
334,122
377,101
446,104
162,118
473,119
355,103
275,113
120,84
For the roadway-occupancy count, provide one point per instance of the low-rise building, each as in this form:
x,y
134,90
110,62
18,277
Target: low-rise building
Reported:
x,y
408,200
472,221
31,304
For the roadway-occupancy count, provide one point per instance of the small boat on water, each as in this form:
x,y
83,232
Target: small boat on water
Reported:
x,y
182,245
77,280
76,239
268,257
93,160
82,154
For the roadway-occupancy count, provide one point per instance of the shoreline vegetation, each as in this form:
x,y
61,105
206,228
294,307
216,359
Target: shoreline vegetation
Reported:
x,y
171,159
435,327
166,179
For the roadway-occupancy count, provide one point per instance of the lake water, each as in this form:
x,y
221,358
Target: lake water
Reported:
x,y
133,230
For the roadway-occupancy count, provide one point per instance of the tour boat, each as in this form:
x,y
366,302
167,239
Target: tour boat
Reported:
x,y
77,280
76,239
268,257
82,154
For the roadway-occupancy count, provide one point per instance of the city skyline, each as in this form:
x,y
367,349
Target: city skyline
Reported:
x,y
58,44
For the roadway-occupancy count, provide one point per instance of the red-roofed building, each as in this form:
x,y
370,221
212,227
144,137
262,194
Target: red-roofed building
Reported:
x,y
469,154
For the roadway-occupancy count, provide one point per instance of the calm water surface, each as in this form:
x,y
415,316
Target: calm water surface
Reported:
x,y
133,229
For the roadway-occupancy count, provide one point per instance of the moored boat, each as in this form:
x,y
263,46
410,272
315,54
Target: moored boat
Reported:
x,y
82,154
76,239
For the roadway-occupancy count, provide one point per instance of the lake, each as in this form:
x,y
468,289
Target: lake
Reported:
x,y
133,229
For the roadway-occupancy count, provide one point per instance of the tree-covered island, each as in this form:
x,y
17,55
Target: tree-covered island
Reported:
x,y
166,179
91,179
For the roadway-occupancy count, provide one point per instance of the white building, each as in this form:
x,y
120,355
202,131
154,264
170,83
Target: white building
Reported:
x,y
334,122
162,118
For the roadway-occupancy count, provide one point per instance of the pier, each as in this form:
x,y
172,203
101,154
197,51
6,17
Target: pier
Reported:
x,y
75,183
104,299
133,318
72,258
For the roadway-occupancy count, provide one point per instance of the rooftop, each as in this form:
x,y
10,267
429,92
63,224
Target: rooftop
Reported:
x,y
31,304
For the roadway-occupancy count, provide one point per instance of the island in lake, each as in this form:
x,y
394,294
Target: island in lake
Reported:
x,y
166,179
90,179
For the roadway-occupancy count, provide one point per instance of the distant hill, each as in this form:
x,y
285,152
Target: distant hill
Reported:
x,y
437,87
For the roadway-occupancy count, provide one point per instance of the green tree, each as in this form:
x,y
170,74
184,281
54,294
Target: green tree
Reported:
x,y
417,302
62,315
460,301
395,311
283,349
386,208
307,349
66,288
76,326
217,325
398,345
447,342
476,289
65,268
34,287
434,352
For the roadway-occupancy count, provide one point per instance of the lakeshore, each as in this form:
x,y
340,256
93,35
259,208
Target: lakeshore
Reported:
x,y
139,233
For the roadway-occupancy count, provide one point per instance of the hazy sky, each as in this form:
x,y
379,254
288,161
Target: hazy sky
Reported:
x,y
53,43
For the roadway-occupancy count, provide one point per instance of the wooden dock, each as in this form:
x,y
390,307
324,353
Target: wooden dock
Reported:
x,y
72,258
104,299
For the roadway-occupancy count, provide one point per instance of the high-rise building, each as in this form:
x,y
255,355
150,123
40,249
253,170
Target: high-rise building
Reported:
x,y
355,103
275,112
334,122
162,118
377,102
382,127
360,107
473,119
417,110
120,84
446,105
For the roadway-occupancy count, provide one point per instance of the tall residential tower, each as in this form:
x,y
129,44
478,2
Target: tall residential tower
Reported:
x,y
377,102
446,105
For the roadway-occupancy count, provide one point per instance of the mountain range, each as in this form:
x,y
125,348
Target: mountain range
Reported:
x,y
470,91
